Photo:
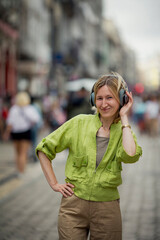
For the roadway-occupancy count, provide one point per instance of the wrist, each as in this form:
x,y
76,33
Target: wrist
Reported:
x,y
52,184
126,126
124,120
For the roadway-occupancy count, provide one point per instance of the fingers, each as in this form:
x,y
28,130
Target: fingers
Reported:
x,y
70,185
66,193
125,110
64,189
67,190
129,94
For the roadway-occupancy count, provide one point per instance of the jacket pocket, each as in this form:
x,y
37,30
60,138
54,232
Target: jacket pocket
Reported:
x,y
81,161
78,169
113,179
111,175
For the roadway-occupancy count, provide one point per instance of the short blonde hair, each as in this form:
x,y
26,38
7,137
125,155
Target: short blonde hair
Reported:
x,y
22,99
115,82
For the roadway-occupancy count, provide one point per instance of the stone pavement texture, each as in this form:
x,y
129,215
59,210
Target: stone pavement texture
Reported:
x,y
29,207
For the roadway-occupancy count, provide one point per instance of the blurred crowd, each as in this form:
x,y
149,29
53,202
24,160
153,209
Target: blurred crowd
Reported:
x,y
23,118
146,113
55,110
29,117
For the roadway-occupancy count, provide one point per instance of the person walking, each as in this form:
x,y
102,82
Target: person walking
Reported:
x,y
152,116
98,144
21,118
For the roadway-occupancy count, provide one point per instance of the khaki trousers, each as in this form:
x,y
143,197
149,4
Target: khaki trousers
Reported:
x,y
79,218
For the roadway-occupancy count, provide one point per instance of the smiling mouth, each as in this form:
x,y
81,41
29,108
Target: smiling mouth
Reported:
x,y
105,109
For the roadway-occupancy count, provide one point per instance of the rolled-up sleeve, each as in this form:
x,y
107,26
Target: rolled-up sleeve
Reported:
x,y
46,146
57,141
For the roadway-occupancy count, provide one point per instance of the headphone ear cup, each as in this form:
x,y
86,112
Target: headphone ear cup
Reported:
x,y
91,99
121,97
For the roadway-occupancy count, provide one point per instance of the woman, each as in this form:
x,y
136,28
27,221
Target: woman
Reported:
x,y
98,144
22,117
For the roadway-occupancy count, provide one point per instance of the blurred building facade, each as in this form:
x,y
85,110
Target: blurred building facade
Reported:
x,y
77,40
86,45
119,57
9,35
49,42
34,47
24,46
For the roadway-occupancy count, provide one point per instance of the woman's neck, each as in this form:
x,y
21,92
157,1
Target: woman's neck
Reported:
x,y
106,123
104,130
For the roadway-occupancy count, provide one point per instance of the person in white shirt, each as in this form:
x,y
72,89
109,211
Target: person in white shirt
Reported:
x,y
21,118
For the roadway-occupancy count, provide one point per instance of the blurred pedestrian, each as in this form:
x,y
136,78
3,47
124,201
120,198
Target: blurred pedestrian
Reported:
x,y
98,144
152,115
21,118
35,130
138,111
57,115
3,116
78,103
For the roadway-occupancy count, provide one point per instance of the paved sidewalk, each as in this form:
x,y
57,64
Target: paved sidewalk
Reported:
x,y
30,210
140,194
8,173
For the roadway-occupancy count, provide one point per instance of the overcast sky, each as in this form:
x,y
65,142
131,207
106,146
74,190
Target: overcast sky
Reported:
x,y
138,22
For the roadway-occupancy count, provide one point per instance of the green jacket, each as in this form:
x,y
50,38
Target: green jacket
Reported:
x,y
79,136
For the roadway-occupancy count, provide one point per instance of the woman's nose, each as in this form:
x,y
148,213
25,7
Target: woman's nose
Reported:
x,y
104,103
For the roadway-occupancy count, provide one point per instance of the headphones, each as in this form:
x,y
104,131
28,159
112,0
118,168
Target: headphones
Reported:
x,y
122,94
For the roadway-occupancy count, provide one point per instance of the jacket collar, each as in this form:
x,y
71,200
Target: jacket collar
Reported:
x,y
98,122
114,126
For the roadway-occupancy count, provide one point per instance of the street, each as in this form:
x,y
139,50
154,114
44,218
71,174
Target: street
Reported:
x,y
29,207
62,58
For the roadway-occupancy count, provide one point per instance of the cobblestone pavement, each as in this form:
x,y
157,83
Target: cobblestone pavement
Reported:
x,y
29,207
140,194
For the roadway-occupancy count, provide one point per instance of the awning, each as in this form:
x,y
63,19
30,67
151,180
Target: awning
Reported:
x,y
76,85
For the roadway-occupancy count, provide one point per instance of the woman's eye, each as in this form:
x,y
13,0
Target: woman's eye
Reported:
x,y
99,98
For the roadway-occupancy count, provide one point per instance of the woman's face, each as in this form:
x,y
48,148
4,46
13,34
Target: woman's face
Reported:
x,y
107,105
